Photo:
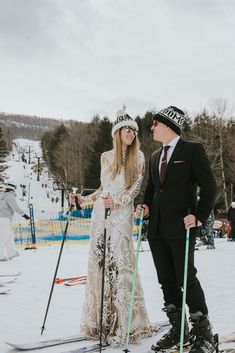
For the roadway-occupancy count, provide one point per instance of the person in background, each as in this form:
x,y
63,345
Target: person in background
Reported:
x,y
176,171
231,219
8,206
206,233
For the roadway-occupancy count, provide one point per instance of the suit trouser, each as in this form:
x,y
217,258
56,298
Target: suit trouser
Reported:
x,y
168,255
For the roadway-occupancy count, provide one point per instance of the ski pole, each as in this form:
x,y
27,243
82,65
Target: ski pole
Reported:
x,y
56,270
134,281
107,213
184,288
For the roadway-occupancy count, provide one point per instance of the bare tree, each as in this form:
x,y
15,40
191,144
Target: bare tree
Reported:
x,y
219,109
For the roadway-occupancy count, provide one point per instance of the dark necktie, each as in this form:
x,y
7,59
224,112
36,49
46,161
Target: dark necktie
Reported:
x,y
164,163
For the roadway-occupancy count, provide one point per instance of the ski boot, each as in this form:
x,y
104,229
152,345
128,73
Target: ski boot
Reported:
x,y
203,339
172,337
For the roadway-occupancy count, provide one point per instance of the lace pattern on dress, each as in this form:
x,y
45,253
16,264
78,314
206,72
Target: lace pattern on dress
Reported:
x,y
119,262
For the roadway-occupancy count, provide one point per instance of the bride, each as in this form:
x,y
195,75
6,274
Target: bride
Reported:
x,y
122,171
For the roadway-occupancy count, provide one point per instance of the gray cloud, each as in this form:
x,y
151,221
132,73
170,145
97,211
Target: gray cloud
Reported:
x,y
74,58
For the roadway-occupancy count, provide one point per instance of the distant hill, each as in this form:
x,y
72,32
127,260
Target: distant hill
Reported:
x,y
28,127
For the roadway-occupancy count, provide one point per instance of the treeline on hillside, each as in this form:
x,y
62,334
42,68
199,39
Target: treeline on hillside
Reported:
x,y
5,148
73,152
27,127
14,126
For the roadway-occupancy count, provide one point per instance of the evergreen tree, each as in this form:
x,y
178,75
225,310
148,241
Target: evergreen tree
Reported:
x,y
52,142
103,142
3,155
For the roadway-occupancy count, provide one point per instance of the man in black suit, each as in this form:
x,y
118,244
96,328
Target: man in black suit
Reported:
x,y
175,172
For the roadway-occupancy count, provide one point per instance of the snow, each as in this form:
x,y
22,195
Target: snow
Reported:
x,y
22,311
23,174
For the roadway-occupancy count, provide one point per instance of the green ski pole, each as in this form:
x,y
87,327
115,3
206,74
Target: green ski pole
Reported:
x,y
184,290
134,281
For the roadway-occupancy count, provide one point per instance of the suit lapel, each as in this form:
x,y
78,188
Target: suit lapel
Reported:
x,y
177,149
155,167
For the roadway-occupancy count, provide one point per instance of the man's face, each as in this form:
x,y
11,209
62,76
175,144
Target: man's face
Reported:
x,y
159,130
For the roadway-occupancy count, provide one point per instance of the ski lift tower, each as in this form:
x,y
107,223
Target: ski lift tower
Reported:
x,y
62,186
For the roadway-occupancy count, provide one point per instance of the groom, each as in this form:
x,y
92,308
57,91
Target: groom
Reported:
x,y
176,171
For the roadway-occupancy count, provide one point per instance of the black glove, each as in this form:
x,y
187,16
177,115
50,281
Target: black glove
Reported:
x,y
26,216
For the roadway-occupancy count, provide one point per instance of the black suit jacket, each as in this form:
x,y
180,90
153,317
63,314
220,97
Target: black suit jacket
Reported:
x,y
187,169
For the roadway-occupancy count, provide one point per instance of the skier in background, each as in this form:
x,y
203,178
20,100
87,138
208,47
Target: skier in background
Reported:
x,y
231,219
8,206
206,232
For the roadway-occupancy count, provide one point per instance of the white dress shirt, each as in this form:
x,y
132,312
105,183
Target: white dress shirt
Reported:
x,y
172,145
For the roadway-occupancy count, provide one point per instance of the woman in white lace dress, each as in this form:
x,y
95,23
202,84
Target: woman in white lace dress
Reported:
x,y
122,171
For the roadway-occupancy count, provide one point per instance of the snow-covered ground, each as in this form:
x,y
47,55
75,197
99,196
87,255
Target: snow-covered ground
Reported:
x,y
22,311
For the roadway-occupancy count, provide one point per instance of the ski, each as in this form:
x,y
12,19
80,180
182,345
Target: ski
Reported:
x,y
3,283
47,343
11,274
57,341
5,291
75,282
63,280
187,349
219,348
89,348
96,347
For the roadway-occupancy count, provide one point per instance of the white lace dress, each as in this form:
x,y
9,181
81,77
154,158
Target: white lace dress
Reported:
x,y
119,262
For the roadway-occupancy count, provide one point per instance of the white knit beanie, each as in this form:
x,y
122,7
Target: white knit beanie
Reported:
x,y
123,119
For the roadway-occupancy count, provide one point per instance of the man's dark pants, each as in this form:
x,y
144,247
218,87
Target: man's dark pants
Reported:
x,y
168,256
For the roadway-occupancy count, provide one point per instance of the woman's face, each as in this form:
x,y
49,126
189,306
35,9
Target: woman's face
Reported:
x,y
128,134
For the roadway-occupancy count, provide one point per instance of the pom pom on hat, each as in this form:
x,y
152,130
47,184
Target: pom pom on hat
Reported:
x,y
173,117
123,119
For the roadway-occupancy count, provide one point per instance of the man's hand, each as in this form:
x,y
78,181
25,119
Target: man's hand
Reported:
x,y
141,207
108,202
190,221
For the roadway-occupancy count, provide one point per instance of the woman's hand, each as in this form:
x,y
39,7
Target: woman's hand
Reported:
x,y
75,197
108,202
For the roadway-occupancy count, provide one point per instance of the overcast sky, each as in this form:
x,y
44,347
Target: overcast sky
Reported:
x,y
75,58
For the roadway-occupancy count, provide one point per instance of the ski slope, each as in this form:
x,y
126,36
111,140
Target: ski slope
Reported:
x,y
26,174
22,311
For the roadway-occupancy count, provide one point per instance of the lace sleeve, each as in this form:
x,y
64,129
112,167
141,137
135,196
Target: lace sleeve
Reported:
x,y
128,195
90,199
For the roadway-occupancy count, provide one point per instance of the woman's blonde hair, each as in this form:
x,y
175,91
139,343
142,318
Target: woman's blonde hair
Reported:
x,y
130,160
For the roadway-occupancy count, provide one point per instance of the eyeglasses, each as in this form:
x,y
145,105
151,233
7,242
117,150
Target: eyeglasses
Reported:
x,y
130,129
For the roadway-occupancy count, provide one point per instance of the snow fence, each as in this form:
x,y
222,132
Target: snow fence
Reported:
x,y
50,226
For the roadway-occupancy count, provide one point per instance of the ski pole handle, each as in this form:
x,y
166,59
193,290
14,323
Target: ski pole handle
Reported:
x,y
74,190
